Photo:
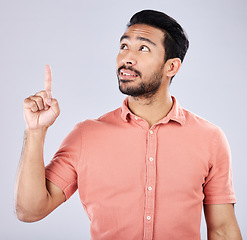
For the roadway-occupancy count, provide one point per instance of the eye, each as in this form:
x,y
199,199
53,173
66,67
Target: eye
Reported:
x,y
144,49
123,46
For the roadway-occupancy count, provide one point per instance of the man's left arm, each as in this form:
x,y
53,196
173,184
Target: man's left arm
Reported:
x,y
221,222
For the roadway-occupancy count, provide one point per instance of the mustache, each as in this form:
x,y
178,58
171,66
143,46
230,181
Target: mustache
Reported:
x,y
129,68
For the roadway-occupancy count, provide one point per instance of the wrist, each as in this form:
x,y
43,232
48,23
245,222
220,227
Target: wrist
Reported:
x,y
39,133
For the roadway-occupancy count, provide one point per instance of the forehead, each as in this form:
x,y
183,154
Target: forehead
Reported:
x,y
138,31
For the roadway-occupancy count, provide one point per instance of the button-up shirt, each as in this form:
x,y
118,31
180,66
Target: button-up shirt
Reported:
x,y
141,183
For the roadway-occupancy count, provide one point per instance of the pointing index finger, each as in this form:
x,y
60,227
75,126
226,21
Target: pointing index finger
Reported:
x,y
48,82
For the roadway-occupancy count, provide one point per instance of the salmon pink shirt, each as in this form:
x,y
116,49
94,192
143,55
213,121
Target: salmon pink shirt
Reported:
x,y
142,183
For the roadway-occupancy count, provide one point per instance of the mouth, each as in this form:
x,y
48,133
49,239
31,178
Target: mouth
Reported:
x,y
127,74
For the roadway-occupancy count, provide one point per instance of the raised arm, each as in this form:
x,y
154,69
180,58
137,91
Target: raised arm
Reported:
x,y
36,197
221,222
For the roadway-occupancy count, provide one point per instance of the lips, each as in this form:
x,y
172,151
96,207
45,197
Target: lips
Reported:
x,y
127,74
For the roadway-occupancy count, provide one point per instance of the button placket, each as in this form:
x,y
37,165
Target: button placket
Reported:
x,y
150,185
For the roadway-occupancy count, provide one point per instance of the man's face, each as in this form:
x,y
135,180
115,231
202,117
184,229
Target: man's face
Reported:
x,y
140,61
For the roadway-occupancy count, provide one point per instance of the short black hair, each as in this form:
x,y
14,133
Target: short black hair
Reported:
x,y
176,42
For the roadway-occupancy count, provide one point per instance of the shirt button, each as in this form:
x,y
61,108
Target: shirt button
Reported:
x,y
148,218
151,159
150,188
151,132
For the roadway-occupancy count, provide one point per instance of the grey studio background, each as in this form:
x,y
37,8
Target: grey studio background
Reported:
x,y
80,41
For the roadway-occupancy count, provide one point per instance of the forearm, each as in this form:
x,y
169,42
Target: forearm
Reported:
x,y
31,193
227,232
225,235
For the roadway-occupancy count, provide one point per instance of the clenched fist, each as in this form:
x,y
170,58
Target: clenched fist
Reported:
x,y
41,110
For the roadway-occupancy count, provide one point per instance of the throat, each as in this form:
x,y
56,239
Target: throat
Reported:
x,y
151,109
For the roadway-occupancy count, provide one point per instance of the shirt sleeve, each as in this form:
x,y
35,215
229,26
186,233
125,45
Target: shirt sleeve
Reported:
x,y
218,187
62,170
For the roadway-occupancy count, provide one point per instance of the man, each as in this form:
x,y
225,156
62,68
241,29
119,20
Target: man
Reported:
x,y
143,171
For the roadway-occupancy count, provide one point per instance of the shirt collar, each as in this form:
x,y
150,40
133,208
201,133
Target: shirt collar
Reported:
x,y
176,113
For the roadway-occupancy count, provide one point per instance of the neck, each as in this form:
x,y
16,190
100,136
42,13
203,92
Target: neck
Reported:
x,y
151,109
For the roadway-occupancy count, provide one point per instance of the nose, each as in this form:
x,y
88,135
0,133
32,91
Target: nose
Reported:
x,y
129,59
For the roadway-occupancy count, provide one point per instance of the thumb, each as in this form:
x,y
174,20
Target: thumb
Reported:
x,y
53,104
48,100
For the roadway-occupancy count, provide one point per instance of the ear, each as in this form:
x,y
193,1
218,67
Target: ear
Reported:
x,y
172,66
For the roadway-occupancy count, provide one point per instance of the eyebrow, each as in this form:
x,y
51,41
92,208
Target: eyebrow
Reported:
x,y
138,38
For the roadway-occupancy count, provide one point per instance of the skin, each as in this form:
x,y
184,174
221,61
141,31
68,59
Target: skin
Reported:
x,y
142,49
221,222
141,60
36,197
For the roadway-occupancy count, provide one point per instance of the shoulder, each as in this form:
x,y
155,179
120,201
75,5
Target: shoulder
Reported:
x,y
108,119
207,130
206,133
198,122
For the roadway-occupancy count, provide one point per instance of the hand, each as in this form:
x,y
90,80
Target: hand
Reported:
x,y
41,110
